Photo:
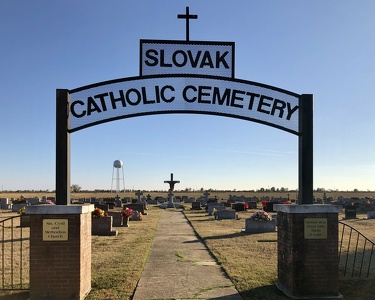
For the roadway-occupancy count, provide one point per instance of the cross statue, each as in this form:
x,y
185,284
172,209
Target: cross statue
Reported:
x,y
139,194
187,16
206,194
171,183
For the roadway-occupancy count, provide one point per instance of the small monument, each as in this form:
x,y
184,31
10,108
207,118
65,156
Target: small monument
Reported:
x,y
170,191
139,194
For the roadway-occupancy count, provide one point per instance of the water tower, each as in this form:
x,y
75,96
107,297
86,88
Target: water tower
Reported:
x,y
117,164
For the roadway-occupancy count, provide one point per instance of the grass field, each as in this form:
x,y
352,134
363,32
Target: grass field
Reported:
x,y
249,260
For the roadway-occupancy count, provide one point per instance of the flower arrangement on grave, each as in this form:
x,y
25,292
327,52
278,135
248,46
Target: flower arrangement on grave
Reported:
x,y
99,213
245,205
127,212
22,211
260,216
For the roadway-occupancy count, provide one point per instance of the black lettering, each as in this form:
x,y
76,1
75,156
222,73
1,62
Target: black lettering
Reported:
x,y
221,100
154,60
162,62
184,58
193,62
291,110
92,106
184,93
144,96
251,102
262,103
162,95
102,100
221,59
278,105
202,93
206,60
73,110
137,94
235,97
157,94
114,100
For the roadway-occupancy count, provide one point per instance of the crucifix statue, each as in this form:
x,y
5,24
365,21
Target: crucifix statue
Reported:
x,y
171,188
139,194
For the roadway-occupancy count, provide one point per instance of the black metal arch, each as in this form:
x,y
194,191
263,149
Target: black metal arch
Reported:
x,y
305,136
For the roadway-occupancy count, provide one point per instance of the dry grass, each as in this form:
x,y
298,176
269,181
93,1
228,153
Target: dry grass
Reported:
x,y
250,260
195,194
117,262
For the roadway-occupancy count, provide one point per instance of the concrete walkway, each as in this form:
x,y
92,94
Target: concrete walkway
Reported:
x,y
179,265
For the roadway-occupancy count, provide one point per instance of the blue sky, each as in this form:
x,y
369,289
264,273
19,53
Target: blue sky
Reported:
x,y
325,48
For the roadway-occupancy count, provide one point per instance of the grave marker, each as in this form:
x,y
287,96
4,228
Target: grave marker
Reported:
x,y
214,205
227,214
350,212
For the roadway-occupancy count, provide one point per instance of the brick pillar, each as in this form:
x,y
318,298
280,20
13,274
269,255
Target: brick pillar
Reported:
x,y
60,251
308,250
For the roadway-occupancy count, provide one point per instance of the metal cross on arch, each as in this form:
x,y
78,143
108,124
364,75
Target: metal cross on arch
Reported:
x,y
187,16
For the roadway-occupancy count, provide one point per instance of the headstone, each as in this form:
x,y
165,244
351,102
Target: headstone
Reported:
x,y
252,204
116,218
252,226
162,200
269,206
104,207
139,194
102,226
136,216
141,207
16,207
4,203
196,206
189,200
371,215
214,205
239,206
33,201
227,214
350,212
151,201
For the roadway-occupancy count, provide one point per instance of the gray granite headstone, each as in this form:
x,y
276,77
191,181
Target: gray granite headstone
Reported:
x,y
227,214
196,205
215,205
4,203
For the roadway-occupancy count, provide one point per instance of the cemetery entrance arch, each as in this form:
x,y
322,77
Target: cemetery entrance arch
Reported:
x,y
130,97
184,77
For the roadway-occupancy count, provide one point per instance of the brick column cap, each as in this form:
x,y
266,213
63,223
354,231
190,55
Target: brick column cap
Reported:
x,y
50,209
307,208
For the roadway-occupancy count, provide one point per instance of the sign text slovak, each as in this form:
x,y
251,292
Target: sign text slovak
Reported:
x,y
180,57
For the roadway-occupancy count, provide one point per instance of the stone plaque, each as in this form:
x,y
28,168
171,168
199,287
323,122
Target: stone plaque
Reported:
x,y
316,228
55,229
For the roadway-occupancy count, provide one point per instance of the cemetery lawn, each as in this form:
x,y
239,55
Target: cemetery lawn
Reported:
x,y
250,260
118,261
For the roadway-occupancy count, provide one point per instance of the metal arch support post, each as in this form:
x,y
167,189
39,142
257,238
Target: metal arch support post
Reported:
x,y
62,148
305,158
